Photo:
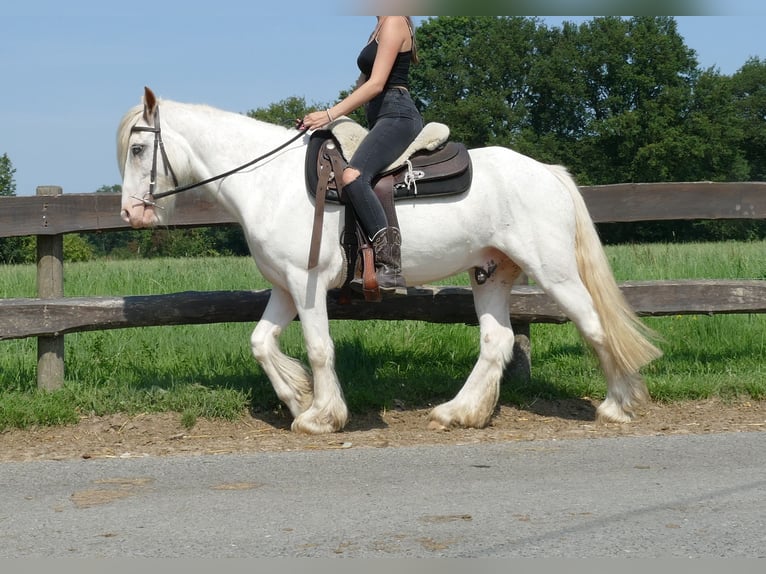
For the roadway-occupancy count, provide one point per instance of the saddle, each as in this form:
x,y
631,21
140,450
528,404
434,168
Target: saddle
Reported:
x,y
431,166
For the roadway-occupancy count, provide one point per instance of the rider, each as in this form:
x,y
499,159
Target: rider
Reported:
x,y
393,121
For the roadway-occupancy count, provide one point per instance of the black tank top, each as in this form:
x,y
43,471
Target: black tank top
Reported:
x,y
400,72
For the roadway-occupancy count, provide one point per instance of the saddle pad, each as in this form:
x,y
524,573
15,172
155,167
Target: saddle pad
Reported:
x,y
349,134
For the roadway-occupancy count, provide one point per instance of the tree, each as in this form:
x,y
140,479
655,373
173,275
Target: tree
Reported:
x,y
7,183
285,112
194,242
749,90
640,77
473,76
12,249
557,116
614,99
714,120
609,98
113,243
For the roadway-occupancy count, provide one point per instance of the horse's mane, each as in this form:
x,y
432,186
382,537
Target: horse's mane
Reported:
x,y
134,115
123,134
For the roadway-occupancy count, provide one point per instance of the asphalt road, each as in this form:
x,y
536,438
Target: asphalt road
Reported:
x,y
675,496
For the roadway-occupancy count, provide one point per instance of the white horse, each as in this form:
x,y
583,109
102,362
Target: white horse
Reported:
x,y
519,215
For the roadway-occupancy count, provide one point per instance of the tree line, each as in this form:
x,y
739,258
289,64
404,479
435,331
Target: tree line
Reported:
x,y
614,99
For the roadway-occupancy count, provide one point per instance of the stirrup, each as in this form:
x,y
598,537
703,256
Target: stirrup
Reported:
x,y
367,284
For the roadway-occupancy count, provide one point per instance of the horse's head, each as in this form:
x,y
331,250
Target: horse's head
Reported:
x,y
144,165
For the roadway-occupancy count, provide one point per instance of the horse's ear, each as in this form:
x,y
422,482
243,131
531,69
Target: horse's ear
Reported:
x,y
150,105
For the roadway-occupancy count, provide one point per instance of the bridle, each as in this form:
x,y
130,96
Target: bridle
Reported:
x,y
151,198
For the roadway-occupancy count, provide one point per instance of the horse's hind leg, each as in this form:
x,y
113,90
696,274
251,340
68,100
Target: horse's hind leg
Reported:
x,y
626,389
475,403
290,380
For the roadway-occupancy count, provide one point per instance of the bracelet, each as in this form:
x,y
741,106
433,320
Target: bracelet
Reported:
x,y
328,115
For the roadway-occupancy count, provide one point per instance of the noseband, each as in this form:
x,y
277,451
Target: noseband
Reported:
x,y
151,197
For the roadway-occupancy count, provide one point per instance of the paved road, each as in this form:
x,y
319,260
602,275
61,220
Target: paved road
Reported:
x,y
680,496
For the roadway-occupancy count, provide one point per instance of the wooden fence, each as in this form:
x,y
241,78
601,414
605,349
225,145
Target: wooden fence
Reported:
x,y
50,214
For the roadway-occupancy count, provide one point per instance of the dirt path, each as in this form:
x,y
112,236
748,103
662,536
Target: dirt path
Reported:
x,y
163,434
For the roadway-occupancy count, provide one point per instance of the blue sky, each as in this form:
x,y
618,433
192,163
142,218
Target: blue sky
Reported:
x,y
70,70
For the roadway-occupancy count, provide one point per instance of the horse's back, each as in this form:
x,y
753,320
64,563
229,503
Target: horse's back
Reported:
x,y
506,185
514,204
511,165
509,183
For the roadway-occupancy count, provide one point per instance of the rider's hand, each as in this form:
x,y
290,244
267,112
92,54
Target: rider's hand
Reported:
x,y
316,120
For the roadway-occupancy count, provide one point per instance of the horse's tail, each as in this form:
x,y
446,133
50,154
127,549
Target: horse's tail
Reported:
x,y
626,336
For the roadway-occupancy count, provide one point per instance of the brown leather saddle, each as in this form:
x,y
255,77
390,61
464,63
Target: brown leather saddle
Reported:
x,y
444,171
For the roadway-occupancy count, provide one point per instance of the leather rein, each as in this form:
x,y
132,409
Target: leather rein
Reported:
x,y
151,198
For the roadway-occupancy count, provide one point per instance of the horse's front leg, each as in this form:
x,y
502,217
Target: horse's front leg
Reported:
x,y
290,380
328,412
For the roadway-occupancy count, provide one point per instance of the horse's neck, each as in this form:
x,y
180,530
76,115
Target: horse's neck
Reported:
x,y
221,141
225,137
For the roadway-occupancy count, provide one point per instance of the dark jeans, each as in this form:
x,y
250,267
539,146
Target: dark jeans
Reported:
x,y
394,123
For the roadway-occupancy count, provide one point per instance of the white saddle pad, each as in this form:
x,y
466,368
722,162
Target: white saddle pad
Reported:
x,y
350,134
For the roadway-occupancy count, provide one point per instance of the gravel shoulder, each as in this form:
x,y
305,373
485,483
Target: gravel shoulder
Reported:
x,y
126,436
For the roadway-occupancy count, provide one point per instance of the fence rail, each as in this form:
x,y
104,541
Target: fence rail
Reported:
x,y
51,214
54,317
87,212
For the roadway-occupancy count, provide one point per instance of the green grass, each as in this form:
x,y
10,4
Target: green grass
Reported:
x,y
208,371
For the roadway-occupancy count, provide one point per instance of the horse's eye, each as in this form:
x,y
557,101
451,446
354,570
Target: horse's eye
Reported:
x,y
136,149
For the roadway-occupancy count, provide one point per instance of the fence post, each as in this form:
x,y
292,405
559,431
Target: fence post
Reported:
x,y
50,285
520,367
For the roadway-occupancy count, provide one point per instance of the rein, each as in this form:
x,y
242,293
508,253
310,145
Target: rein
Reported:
x,y
151,197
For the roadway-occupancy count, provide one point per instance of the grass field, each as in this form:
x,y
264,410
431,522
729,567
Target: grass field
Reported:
x,y
207,370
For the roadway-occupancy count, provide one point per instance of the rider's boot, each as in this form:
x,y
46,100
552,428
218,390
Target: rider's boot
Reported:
x,y
386,240
387,246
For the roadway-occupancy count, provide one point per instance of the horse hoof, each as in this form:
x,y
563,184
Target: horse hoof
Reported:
x,y
610,412
447,416
311,427
436,426
441,419
313,422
